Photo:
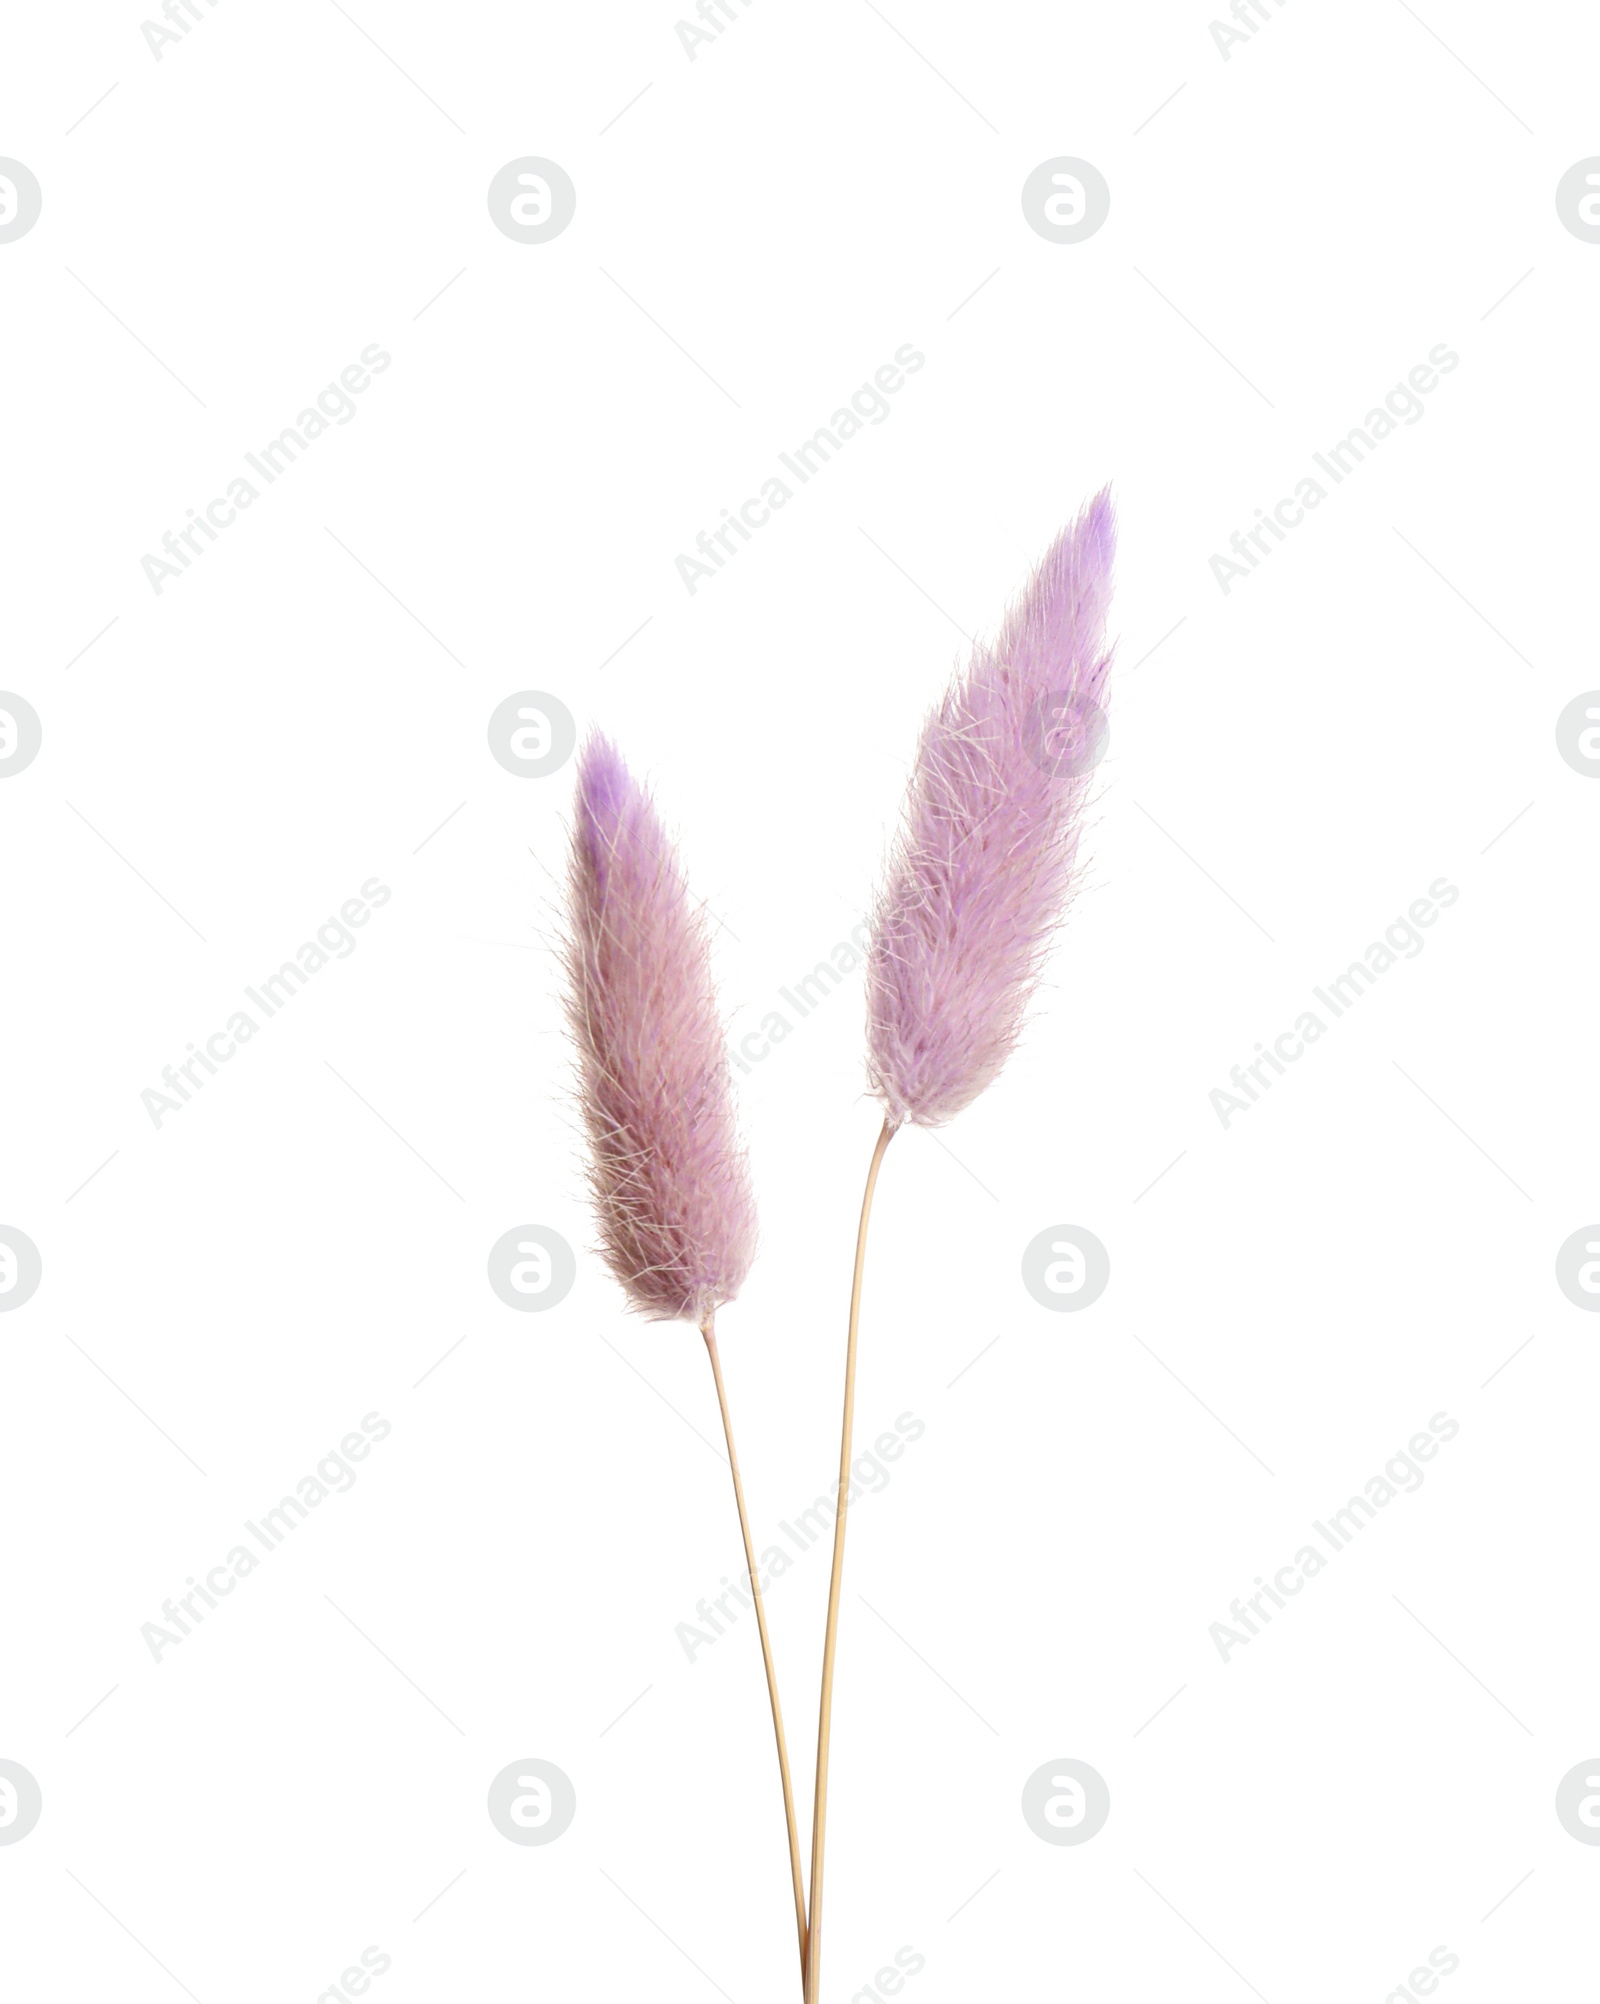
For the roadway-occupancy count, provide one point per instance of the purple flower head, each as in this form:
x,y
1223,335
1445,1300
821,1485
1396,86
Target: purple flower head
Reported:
x,y
983,865
670,1181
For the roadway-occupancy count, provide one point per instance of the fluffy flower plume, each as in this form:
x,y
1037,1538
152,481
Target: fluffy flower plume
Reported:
x,y
983,865
670,1181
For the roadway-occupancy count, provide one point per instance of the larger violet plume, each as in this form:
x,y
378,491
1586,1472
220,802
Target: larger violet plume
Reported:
x,y
983,866
670,1180
978,880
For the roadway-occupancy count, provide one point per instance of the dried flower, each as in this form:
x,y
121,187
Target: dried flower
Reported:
x,y
978,880
983,866
670,1180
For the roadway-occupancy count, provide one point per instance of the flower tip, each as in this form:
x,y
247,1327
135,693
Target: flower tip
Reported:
x,y
1097,526
598,758
604,781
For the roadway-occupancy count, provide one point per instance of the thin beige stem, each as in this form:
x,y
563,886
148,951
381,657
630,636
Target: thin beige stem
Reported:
x,y
830,1644
709,1333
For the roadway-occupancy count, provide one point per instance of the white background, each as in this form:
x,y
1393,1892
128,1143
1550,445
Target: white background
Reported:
x,y
1291,764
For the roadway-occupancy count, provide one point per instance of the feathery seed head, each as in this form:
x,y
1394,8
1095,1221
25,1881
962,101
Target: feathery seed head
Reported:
x,y
983,866
670,1180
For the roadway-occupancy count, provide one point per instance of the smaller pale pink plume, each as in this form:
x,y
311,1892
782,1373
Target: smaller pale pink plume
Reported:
x,y
985,860
670,1180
